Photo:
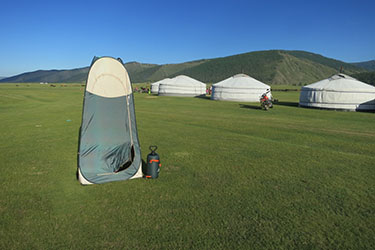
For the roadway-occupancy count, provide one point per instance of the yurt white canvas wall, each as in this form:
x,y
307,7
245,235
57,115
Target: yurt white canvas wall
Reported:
x,y
338,92
155,86
240,87
182,86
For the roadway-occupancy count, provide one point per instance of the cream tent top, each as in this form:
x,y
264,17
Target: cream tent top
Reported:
x,y
182,86
239,87
108,78
339,92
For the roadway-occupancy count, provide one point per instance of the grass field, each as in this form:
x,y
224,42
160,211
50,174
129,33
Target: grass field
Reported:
x,y
233,176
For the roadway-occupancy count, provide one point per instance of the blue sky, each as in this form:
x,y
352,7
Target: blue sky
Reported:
x,y
67,34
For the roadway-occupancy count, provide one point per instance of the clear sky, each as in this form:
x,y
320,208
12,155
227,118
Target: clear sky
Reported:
x,y
67,34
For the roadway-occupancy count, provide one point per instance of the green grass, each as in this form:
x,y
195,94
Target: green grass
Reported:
x,y
284,87
232,177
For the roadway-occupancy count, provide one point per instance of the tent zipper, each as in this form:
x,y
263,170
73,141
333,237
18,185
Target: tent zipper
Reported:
x,y
130,124
126,165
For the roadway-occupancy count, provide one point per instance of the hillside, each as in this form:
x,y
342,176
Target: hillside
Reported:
x,y
158,72
369,65
367,77
271,67
73,75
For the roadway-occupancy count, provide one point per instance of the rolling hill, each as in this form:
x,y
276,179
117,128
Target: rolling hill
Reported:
x,y
367,77
271,67
369,65
52,76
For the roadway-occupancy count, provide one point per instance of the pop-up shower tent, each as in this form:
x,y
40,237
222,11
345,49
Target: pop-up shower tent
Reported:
x,y
338,92
108,140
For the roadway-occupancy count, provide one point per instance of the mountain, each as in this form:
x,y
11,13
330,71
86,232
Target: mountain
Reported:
x,y
2,77
369,65
73,75
271,67
366,77
158,72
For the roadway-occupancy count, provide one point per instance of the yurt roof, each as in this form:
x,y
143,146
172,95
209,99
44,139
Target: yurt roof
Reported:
x,y
241,81
340,82
183,80
160,81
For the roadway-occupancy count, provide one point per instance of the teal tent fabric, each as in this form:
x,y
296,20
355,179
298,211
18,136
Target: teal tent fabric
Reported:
x,y
109,148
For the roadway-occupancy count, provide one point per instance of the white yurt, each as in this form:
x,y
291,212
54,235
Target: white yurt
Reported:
x,y
338,92
239,87
182,86
155,86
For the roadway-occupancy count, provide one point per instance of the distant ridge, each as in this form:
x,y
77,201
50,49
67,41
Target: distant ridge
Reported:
x,y
366,77
271,67
369,65
72,75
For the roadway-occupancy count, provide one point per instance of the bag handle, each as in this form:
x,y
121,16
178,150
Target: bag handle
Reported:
x,y
153,148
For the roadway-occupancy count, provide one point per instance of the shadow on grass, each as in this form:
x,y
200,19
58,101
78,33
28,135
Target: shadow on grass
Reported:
x,y
289,104
246,106
79,144
203,97
366,111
